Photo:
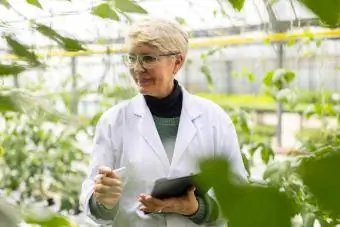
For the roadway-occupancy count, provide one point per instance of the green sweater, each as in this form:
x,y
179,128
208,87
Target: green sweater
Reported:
x,y
167,129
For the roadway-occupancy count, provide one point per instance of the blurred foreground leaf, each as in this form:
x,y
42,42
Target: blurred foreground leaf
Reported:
x,y
7,70
35,3
7,103
4,3
237,4
105,11
327,10
245,205
22,51
321,174
44,217
67,43
129,6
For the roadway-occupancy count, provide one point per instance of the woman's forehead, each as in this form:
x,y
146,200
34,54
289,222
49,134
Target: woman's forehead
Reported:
x,y
142,49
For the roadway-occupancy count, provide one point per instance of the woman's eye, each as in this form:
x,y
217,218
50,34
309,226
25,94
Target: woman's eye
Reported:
x,y
132,58
148,58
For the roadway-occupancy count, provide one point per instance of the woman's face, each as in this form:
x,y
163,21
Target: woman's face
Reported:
x,y
152,71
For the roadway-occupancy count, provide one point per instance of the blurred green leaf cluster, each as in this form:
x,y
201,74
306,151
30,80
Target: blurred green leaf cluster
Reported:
x,y
244,204
39,159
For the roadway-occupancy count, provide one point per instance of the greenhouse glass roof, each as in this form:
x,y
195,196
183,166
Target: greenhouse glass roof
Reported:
x,y
74,18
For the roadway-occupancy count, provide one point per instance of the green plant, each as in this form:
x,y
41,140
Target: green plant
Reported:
x,y
251,141
39,159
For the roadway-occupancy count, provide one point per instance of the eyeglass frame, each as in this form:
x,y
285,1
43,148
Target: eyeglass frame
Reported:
x,y
140,60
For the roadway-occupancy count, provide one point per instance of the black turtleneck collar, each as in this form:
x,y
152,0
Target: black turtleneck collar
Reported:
x,y
170,106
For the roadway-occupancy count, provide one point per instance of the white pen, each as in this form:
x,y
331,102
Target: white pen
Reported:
x,y
119,169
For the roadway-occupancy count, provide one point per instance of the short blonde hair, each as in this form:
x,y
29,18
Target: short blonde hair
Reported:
x,y
162,34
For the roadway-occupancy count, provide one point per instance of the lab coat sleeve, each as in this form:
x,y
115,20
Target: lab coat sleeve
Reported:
x,y
103,154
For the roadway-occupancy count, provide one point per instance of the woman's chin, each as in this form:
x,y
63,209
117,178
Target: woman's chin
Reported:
x,y
145,90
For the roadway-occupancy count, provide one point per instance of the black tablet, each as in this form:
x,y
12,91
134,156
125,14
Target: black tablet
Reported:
x,y
176,187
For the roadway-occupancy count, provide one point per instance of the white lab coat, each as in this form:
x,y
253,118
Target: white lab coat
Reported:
x,y
126,136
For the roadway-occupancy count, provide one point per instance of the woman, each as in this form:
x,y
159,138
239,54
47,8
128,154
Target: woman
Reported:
x,y
161,132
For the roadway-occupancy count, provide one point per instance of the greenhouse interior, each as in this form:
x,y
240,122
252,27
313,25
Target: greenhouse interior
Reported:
x,y
272,66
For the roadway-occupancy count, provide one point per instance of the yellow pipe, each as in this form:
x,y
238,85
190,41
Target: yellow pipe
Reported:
x,y
200,43
275,37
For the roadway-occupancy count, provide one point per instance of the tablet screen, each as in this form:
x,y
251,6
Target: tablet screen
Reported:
x,y
175,187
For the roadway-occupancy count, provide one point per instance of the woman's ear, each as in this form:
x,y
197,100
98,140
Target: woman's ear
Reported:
x,y
179,60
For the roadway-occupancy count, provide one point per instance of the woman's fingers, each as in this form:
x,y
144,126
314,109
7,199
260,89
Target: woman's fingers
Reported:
x,y
105,196
107,172
149,200
108,187
151,204
105,189
100,179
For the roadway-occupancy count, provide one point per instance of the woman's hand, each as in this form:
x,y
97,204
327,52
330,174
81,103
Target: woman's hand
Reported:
x,y
185,205
108,187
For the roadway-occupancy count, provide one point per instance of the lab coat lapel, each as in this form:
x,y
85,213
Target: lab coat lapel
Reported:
x,y
186,129
147,129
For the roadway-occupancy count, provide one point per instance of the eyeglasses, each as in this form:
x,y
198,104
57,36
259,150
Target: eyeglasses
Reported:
x,y
147,61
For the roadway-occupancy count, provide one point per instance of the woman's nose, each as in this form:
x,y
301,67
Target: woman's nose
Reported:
x,y
138,67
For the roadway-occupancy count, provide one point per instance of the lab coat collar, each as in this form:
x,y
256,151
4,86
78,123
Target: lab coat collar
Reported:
x,y
186,129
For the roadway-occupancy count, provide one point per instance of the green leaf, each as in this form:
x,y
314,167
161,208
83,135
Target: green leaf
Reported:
x,y
284,95
207,73
203,56
47,31
309,111
289,76
4,3
246,163
264,206
266,154
7,103
129,6
35,3
2,151
279,75
45,217
321,174
70,44
318,43
327,10
282,78
7,70
22,51
66,43
251,77
213,51
275,171
180,20
104,11
318,109
215,12
237,4
268,78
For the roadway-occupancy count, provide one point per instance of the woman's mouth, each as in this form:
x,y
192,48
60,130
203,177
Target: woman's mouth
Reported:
x,y
145,82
